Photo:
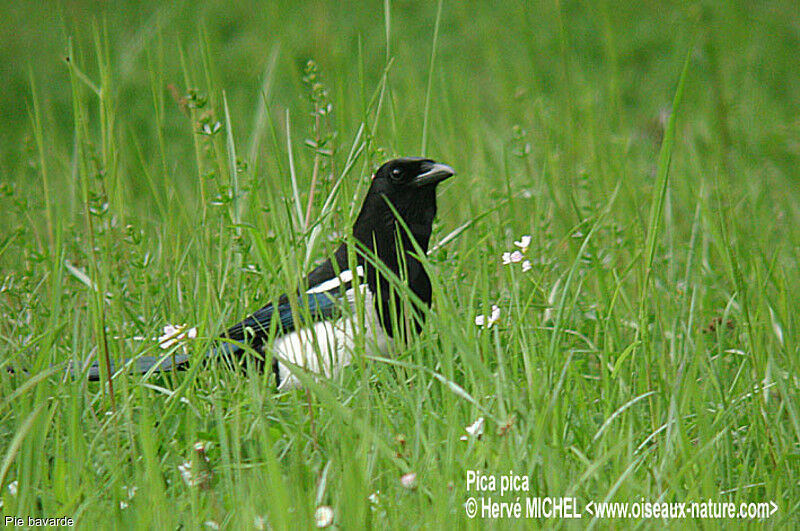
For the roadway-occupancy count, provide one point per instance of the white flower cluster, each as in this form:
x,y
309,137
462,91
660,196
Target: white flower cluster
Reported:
x,y
323,516
474,430
175,334
486,321
518,255
200,476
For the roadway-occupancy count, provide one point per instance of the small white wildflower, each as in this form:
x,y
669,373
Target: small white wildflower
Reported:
x,y
484,321
200,447
12,488
524,242
175,333
323,516
409,481
130,491
512,258
526,266
123,505
474,430
211,129
494,317
186,473
197,476
375,497
260,522
211,524
200,477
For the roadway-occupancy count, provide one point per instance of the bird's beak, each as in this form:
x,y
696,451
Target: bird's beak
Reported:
x,y
434,174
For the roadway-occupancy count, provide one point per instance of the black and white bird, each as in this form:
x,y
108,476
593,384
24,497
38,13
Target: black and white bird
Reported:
x,y
316,326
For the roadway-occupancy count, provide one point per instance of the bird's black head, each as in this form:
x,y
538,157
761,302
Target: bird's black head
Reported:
x,y
409,173
409,184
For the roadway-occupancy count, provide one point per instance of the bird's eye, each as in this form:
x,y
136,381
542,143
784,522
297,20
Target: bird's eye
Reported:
x,y
396,174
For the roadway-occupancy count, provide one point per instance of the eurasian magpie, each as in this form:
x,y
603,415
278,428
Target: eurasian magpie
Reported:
x,y
315,326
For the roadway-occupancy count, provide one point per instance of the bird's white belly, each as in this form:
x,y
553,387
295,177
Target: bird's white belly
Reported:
x,y
328,346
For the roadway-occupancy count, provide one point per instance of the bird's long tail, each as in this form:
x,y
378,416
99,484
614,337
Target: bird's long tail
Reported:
x,y
162,364
141,365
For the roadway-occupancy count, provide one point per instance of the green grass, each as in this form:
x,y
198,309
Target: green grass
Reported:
x,y
651,353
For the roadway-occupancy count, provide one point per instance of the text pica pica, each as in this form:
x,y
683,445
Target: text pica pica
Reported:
x,y
315,326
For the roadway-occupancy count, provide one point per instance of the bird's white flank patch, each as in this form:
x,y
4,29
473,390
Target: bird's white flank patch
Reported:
x,y
343,278
327,346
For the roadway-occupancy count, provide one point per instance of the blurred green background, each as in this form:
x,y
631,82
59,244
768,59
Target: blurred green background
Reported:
x,y
608,65
635,389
